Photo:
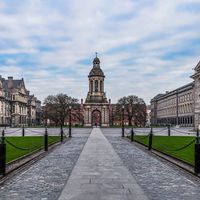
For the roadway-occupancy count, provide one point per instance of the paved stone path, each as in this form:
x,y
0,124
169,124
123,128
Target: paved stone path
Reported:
x,y
46,179
108,168
158,179
100,174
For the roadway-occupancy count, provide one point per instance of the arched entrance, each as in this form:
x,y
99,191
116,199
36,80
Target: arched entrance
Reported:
x,y
96,118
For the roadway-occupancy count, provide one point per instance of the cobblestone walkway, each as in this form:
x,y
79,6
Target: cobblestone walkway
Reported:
x,y
157,179
100,174
46,179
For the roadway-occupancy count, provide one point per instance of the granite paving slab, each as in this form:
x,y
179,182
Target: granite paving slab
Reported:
x,y
100,174
156,177
46,178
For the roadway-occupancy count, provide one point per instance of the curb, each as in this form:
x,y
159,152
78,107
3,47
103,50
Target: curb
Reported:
x,y
178,163
26,161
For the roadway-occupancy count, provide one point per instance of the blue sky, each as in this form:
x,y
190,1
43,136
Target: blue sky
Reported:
x,y
146,47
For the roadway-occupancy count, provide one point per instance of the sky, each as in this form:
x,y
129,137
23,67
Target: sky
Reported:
x,y
145,47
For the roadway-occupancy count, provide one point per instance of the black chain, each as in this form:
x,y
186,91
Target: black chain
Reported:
x,y
178,149
20,148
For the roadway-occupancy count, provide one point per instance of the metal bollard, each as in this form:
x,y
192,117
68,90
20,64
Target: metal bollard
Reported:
x,y
197,159
122,131
46,140
132,135
197,136
150,139
23,131
169,131
2,155
61,134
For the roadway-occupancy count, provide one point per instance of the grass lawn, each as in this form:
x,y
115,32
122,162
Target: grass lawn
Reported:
x,y
169,145
28,145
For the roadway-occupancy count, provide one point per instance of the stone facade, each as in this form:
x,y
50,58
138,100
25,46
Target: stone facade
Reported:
x,y
96,106
180,106
15,103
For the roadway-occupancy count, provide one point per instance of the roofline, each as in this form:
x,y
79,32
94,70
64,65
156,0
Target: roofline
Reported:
x,y
179,90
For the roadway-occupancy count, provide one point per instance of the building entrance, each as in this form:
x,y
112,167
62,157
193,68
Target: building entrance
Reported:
x,y
96,118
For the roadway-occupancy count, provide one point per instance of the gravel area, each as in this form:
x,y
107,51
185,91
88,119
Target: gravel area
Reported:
x,y
158,179
46,178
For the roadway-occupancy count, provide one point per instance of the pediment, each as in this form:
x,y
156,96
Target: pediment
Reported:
x,y
197,68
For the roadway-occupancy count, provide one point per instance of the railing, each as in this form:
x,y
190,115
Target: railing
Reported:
x,y
148,136
48,140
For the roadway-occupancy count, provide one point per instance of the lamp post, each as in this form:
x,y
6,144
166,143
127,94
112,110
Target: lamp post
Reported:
x,y
123,121
70,122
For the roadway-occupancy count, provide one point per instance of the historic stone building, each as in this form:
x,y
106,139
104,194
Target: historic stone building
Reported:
x,y
180,106
17,107
96,106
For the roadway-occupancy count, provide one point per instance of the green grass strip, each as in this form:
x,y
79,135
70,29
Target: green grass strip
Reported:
x,y
29,143
169,145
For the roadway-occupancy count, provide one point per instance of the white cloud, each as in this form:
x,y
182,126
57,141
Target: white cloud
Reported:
x,y
136,34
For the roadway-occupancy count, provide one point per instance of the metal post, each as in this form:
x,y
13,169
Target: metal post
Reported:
x,y
46,140
70,122
197,136
61,133
23,131
132,135
197,154
123,121
2,155
150,139
169,131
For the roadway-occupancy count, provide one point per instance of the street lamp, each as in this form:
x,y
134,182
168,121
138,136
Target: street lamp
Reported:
x,y
70,122
123,121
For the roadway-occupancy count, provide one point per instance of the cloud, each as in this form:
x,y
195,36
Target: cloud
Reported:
x,y
145,47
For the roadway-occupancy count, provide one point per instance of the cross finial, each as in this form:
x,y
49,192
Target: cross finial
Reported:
x,y
96,54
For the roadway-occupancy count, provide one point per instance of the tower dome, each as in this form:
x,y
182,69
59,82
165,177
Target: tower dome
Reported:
x,y
96,70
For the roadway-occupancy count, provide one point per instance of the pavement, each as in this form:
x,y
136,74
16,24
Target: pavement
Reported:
x,y
100,174
182,131
46,178
101,166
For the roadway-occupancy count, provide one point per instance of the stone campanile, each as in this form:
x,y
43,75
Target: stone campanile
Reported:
x,y
96,106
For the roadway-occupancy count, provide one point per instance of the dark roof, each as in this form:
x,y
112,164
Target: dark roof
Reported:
x,y
96,60
197,66
183,88
15,83
96,70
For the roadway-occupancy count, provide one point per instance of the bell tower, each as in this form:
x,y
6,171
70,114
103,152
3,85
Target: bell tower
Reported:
x,y
96,77
96,106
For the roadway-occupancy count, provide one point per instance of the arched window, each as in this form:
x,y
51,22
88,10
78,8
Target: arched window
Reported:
x,y
96,86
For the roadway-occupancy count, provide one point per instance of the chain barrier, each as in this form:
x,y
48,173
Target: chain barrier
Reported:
x,y
33,131
159,131
15,131
178,149
20,148
180,131
142,131
144,137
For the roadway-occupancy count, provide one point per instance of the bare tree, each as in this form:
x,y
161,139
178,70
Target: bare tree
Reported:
x,y
57,107
134,109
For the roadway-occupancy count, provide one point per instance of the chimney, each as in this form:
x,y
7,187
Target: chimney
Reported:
x,y
81,101
109,101
10,82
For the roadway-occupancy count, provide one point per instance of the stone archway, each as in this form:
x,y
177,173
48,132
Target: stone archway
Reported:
x,y
96,118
